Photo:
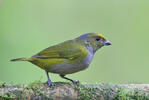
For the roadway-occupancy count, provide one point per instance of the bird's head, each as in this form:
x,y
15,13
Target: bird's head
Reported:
x,y
94,40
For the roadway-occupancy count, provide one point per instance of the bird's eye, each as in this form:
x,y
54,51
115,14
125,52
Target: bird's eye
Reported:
x,y
97,39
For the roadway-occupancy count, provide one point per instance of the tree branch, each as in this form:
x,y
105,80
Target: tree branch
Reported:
x,y
68,91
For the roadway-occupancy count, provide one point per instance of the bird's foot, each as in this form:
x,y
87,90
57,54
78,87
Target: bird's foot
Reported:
x,y
76,82
50,83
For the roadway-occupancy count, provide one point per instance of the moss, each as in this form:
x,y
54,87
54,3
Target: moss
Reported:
x,y
87,93
124,94
139,95
36,88
2,85
84,91
127,94
6,96
32,84
108,91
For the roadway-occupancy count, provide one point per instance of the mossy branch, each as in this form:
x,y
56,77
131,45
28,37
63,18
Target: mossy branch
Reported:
x,y
68,91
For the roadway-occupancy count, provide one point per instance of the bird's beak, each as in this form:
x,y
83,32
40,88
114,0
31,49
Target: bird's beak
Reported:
x,y
107,42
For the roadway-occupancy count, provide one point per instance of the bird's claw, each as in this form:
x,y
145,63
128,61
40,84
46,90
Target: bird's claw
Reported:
x,y
76,82
50,83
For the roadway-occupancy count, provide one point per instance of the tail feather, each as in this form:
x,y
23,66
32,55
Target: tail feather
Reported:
x,y
21,59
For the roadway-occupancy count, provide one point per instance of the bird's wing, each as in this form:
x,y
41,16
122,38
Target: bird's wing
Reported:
x,y
65,50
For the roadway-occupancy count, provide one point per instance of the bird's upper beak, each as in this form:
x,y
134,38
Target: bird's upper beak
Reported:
x,y
107,42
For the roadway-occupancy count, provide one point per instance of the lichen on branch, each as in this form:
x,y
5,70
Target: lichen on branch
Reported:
x,y
67,91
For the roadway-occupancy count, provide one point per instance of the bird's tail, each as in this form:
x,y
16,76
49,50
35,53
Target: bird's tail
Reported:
x,y
21,59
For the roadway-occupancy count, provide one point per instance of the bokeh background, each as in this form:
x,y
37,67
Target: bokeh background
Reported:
x,y
28,26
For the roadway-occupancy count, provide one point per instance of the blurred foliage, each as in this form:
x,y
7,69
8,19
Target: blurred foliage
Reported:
x,y
28,26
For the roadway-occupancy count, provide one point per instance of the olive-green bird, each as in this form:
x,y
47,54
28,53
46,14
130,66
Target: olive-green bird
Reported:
x,y
68,57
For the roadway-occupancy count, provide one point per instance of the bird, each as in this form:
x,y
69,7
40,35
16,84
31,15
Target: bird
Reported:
x,y
68,57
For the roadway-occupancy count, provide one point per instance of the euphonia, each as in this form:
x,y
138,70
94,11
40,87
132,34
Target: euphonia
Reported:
x,y
68,57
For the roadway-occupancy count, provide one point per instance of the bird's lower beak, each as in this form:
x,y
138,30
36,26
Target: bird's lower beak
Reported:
x,y
107,42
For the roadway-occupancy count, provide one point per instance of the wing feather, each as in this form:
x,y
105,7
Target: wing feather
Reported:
x,y
65,50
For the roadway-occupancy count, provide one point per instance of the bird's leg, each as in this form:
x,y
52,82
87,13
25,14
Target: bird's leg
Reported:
x,y
73,81
50,83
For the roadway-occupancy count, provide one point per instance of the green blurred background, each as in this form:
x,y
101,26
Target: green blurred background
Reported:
x,y
28,26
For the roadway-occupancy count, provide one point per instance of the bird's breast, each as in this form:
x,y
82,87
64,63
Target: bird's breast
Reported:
x,y
87,60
